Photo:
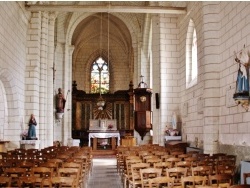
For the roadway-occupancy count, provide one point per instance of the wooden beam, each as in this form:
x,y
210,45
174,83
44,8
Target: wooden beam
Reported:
x,y
109,8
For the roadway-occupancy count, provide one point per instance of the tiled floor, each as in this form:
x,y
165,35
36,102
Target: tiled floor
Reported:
x,y
104,174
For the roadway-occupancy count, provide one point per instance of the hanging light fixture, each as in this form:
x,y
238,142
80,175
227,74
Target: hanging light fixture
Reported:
x,y
100,102
108,42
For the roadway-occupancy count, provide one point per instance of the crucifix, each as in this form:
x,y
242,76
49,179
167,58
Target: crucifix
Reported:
x,y
54,73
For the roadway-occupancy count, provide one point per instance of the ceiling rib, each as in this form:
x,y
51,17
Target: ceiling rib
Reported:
x,y
109,8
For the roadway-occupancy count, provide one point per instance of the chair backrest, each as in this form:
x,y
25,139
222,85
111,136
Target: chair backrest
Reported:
x,y
176,153
226,169
68,172
201,170
173,160
202,156
135,170
5,181
194,160
63,157
177,173
240,186
15,172
52,165
159,153
183,164
41,172
184,156
57,181
245,176
129,163
153,160
146,157
28,165
71,165
158,181
220,180
227,160
55,160
193,152
148,173
165,157
164,166
193,181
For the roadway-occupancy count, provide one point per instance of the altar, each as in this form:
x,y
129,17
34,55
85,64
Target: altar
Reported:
x,y
103,130
106,134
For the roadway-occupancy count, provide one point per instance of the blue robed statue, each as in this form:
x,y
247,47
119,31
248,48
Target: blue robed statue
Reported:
x,y
242,82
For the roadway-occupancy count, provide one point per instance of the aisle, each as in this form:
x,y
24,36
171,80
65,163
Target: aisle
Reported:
x,y
104,174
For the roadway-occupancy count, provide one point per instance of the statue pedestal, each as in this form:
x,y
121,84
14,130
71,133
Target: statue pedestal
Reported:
x,y
30,144
59,115
73,142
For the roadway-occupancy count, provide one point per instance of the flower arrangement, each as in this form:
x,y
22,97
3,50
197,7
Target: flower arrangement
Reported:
x,y
172,132
24,134
110,126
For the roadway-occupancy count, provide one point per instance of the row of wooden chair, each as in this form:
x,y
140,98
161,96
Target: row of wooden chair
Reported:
x,y
177,162
142,175
219,159
197,164
73,163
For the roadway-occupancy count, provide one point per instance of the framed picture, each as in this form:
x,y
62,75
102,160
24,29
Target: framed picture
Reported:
x,y
94,124
103,124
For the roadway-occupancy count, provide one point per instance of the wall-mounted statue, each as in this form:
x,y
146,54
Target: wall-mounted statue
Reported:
x,y
242,83
241,95
60,101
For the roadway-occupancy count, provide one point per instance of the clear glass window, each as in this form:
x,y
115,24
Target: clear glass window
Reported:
x,y
191,56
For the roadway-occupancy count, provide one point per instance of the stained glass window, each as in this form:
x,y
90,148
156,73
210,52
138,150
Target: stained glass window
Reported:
x,y
99,76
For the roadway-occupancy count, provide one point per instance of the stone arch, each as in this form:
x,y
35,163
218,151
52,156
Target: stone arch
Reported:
x,y
73,24
10,100
135,30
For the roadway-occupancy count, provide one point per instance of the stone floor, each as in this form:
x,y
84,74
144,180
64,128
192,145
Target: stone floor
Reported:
x,y
104,174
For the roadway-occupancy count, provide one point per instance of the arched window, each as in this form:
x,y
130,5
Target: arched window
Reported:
x,y
99,76
191,56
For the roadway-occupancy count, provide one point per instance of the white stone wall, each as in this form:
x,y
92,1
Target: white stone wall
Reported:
x,y
235,33
13,21
222,28
165,73
192,124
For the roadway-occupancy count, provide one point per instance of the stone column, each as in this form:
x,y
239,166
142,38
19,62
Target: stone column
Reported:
x,y
165,72
43,78
211,65
67,124
156,83
50,81
32,79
